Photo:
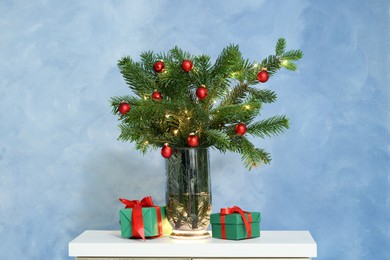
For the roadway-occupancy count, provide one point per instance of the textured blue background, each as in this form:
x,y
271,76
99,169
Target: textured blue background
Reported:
x,y
62,169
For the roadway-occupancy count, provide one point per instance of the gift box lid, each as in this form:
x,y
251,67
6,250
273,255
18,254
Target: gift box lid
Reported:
x,y
234,218
147,213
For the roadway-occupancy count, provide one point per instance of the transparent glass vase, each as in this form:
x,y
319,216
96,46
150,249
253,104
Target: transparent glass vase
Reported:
x,y
188,192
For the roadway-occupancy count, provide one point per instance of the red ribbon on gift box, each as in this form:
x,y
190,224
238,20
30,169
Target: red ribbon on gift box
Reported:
x,y
235,209
137,222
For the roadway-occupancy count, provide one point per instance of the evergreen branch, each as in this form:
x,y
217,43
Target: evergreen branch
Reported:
x,y
217,91
201,73
289,65
135,76
292,55
262,95
280,46
217,138
272,63
148,59
251,156
124,136
174,83
255,158
233,114
179,55
243,71
289,56
141,145
236,94
269,127
226,62
116,101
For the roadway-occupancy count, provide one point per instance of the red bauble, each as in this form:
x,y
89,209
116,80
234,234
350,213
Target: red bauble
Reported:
x,y
263,76
158,66
193,140
156,96
124,108
166,151
187,65
240,129
201,92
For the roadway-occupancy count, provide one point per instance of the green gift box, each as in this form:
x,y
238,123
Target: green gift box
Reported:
x,y
150,220
234,226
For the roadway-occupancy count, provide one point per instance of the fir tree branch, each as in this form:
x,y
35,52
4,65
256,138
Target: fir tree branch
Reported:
x,y
243,72
289,65
289,56
226,62
138,80
148,59
237,93
217,138
262,95
201,73
116,101
269,127
250,155
233,114
280,46
255,158
174,83
179,55
272,63
292,55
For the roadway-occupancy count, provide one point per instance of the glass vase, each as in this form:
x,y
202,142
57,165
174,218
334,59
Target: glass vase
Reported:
x,y
188,192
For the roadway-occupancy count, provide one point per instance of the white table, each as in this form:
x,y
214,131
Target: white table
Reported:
x,y
102,244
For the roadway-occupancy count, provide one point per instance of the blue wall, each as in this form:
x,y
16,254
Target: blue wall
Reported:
x,y
62,169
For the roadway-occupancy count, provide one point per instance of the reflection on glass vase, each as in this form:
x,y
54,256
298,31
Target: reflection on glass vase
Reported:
x,y
188,192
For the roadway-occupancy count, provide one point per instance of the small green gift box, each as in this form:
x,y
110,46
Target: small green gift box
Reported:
x,y
231,224
150,221
140,219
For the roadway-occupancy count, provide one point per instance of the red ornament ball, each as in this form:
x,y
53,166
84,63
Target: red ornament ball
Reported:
x,y
166,151
187,65
193,140
240,129
158,66
156,96
263,76
201,92
124,108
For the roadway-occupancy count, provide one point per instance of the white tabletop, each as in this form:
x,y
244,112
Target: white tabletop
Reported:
x,y
106,243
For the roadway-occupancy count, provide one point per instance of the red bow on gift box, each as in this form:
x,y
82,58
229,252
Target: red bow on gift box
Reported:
x,y
235,209
137,222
